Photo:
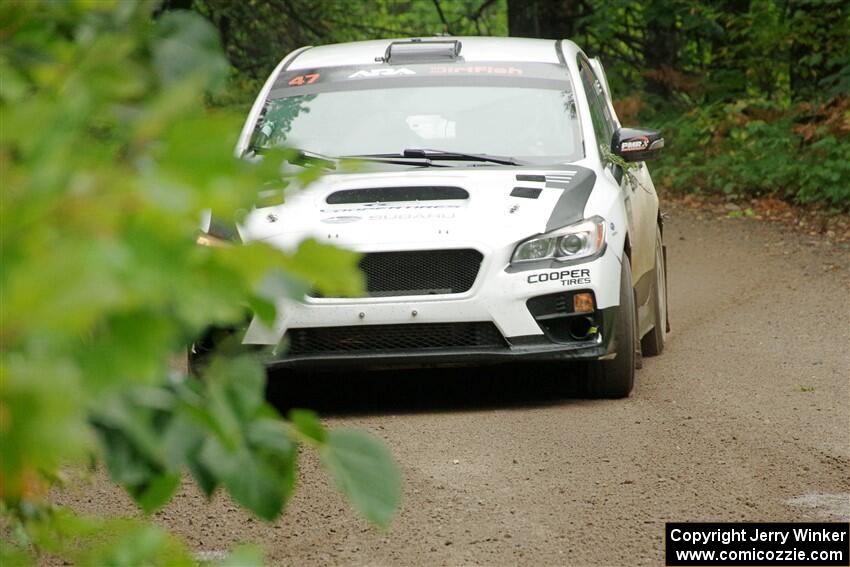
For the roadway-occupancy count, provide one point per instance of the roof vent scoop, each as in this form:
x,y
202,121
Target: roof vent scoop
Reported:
x,y
418,51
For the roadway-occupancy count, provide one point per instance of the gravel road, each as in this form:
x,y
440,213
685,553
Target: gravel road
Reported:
x,y
746,416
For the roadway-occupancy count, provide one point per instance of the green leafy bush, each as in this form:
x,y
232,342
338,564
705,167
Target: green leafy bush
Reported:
x,y
753,147
108,155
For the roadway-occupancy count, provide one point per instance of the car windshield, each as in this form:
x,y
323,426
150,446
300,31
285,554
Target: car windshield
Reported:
x,y
530,118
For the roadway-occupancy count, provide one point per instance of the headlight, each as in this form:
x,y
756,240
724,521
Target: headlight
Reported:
x,y
569,243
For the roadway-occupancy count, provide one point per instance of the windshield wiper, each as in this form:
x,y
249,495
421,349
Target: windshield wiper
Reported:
x,y
446,155
394,159
308,157
302,157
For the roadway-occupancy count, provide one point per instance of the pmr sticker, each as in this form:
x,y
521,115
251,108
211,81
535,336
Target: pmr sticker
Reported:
x,y
635,144
577,276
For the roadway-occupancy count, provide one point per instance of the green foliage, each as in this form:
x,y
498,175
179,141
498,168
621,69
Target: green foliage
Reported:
x,y
716,51
257,35
697,68
755,148
95,541
734,85
741,213
362,470
108,155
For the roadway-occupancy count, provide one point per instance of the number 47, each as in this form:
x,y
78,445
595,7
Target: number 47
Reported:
x,y
307,79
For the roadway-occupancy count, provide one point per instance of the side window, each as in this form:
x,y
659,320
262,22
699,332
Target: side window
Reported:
x,y
603,122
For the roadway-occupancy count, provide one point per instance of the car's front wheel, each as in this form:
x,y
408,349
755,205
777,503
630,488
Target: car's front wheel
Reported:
x,y
225,340
615,378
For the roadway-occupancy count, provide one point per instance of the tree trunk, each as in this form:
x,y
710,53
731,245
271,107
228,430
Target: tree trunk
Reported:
x,y
732,51
546,19
660,47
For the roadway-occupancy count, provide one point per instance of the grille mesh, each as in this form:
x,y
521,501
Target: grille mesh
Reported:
x,y
393,338
419,272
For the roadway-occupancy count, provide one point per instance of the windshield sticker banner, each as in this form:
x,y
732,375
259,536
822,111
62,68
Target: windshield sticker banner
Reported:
x,y
330,79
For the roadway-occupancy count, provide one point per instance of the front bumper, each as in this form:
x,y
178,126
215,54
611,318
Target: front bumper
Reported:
x,y
539,350
499,297
541,347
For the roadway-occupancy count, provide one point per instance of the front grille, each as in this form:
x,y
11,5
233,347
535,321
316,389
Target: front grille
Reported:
x,y
419,272
394,338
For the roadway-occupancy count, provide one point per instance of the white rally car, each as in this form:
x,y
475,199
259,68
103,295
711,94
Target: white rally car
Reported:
x,y
502,212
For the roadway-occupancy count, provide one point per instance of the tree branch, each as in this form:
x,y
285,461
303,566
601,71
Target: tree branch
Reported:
x,y
476,15
368,28
293,13
440,13
627,58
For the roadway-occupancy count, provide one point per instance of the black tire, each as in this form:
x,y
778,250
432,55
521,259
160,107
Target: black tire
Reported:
x,y
201,351
652,344
226,340
616,378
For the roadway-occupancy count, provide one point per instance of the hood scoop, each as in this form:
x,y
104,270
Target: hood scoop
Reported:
x,y
396,194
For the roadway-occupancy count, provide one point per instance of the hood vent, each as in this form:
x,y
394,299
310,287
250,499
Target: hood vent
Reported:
x,y
526,192
395,195
525,177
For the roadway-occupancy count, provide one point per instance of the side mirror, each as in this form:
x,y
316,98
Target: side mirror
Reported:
x,y
634,144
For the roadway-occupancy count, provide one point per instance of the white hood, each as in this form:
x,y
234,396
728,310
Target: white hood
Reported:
x,y
491,216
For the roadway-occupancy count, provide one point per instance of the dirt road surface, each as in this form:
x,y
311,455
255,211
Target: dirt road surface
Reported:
x,y
744,417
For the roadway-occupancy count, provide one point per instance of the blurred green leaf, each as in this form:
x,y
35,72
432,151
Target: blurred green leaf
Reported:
x,y
262,485
158,492
109,154
188,45
42,421
271,435
332,270
241,381
13,555
307,423
129,544
365,472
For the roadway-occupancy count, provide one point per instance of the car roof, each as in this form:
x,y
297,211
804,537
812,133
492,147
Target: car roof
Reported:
x,y
474,49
